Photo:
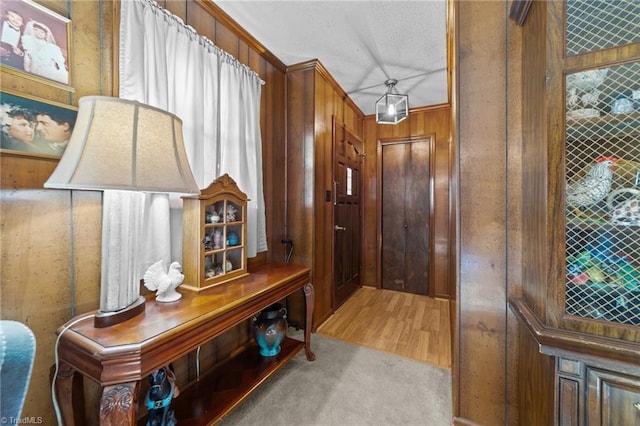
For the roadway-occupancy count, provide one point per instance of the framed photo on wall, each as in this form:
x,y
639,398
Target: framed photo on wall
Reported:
x,y
33,126
35,42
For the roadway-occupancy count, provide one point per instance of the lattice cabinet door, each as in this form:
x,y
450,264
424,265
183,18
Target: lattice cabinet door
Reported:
x,y
602,161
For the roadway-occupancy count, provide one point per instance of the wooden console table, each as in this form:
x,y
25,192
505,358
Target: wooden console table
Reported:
x,y
120,356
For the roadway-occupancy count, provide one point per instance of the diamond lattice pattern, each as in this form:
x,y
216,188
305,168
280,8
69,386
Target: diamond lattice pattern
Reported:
x,y
603,228
599,24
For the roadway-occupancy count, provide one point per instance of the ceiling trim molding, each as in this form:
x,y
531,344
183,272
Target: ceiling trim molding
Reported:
x,y
429,107
316,65
227,21
302,66
417,110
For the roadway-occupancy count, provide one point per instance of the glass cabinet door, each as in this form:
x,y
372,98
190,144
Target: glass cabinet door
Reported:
x,y
214,225
593,25
602,166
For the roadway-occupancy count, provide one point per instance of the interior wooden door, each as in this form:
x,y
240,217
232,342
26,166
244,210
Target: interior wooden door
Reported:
x,y
346,211
405,215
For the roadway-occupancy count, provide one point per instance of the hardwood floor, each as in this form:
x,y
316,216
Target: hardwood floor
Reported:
x,y
404,324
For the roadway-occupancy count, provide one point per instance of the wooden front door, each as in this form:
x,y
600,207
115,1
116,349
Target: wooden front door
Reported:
x,y
346,212
405,215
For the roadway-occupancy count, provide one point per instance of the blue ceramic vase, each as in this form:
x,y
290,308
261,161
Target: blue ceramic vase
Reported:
x,y
232,239
269,329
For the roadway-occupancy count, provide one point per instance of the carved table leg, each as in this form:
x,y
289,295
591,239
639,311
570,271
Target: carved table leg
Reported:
x,y
118,404
309,297
69,390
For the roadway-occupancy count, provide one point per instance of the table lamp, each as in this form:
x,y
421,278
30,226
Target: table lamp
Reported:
x,y
123,145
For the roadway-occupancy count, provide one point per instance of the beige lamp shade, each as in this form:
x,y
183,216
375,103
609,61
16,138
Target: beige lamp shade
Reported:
x,y
124,145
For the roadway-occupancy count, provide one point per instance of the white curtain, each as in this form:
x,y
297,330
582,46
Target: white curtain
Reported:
x,y
164,63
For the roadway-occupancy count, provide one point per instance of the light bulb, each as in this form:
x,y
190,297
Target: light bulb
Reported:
x,y
391,110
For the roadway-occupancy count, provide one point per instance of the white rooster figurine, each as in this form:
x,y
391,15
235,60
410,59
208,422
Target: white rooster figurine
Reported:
x,y
164,283
594,187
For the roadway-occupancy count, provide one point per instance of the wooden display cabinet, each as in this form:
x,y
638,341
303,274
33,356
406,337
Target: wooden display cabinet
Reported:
x,y
580,305
214,235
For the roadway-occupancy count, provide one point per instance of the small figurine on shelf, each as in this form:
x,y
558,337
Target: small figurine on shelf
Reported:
x,y
217,269
622,105
591,99
162,389
232,239
217,239
164,282
596,274
629,277
212,217
207,242
583,86
231,213
626,212
592,188
576,267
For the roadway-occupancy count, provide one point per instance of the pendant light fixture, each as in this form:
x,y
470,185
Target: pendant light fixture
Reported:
x,y
392,107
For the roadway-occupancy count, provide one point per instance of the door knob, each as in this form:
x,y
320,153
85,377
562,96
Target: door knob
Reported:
x,y
340,228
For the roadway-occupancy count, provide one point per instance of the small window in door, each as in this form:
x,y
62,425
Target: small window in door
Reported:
x,y
349,181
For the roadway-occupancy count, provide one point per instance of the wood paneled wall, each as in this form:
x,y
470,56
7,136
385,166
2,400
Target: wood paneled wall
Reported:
x,y
482,146
433,121
314,99
489,142
50,239
50,249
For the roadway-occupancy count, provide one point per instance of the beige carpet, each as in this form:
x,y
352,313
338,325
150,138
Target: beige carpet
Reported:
x,y
349,385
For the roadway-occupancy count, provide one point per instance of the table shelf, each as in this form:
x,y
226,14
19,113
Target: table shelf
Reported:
x,y
119,357
220,390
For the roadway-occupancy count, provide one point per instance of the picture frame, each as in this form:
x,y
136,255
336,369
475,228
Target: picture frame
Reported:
x,y
35,43
34,127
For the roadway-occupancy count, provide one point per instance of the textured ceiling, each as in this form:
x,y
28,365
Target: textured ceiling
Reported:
x,y
361,43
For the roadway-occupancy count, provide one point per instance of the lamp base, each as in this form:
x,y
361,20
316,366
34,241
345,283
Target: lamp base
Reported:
x,y
107,319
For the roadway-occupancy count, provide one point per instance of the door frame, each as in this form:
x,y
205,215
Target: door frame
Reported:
x,y
431,140
360,147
